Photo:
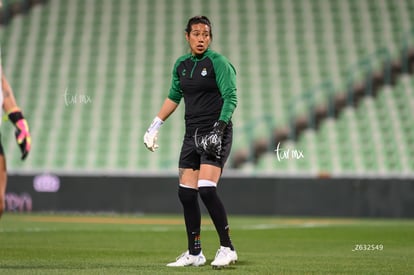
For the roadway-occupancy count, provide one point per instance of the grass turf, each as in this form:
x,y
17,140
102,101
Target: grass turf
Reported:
x,y
119,244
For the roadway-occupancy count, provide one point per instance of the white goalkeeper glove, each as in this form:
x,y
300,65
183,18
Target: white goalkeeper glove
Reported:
x,y
151,135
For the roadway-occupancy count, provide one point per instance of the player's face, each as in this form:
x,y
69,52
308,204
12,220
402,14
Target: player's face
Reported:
x,y
199,38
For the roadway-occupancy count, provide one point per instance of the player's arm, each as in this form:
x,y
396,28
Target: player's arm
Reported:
x,y
226,82
15,114
167,109
9,101
151,135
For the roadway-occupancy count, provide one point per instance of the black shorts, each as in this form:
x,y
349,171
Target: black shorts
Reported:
x,y
190,158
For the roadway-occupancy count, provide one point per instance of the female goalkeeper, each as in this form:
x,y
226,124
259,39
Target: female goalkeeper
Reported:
x,y
207,82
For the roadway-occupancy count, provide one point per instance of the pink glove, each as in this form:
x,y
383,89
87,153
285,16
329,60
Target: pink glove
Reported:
x,y
22,132
23,137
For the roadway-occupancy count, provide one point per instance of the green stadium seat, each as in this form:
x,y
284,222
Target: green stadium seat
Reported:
x,y
121,55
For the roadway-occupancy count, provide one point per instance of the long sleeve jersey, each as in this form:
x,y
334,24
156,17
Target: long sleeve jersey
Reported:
x,y
208,85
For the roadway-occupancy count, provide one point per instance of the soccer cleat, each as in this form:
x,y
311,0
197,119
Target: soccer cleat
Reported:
x,y
224,257
186,259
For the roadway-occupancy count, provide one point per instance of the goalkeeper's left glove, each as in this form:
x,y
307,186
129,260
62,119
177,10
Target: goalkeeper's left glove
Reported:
x,y
22,133
211,143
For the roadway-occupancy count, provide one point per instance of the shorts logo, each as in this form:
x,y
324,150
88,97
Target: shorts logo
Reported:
x,y
204,72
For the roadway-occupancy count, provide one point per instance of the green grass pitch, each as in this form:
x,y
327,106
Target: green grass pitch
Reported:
x,y
134,244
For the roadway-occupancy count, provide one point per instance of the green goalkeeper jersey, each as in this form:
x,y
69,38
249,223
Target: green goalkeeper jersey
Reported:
x,y
208,85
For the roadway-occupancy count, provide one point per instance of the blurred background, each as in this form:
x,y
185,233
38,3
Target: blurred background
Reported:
x,y
326,94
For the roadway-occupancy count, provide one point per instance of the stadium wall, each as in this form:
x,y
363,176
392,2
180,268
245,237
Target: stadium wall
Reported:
x,y
245,196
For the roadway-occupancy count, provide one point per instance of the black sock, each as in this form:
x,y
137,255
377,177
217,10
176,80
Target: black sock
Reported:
x,y
217,213
192,218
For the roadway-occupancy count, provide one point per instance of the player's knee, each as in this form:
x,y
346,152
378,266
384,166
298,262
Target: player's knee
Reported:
x,y
207,194
187,195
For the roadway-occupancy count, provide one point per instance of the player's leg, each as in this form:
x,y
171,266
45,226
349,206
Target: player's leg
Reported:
x,y
207,186
188,195
3,181
210,172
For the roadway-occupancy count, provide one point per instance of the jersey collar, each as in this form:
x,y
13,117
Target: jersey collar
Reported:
x,y
198,57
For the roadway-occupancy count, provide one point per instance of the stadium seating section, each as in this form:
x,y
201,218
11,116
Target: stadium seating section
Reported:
x,y
91,75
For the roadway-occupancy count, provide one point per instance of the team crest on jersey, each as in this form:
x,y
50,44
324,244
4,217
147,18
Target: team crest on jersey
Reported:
x,y
204,72
183,72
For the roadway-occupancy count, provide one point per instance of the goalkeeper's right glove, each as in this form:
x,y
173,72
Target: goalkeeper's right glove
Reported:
x,y
151,135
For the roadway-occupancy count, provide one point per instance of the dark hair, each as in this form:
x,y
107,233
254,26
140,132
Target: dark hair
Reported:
x,y
197,20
